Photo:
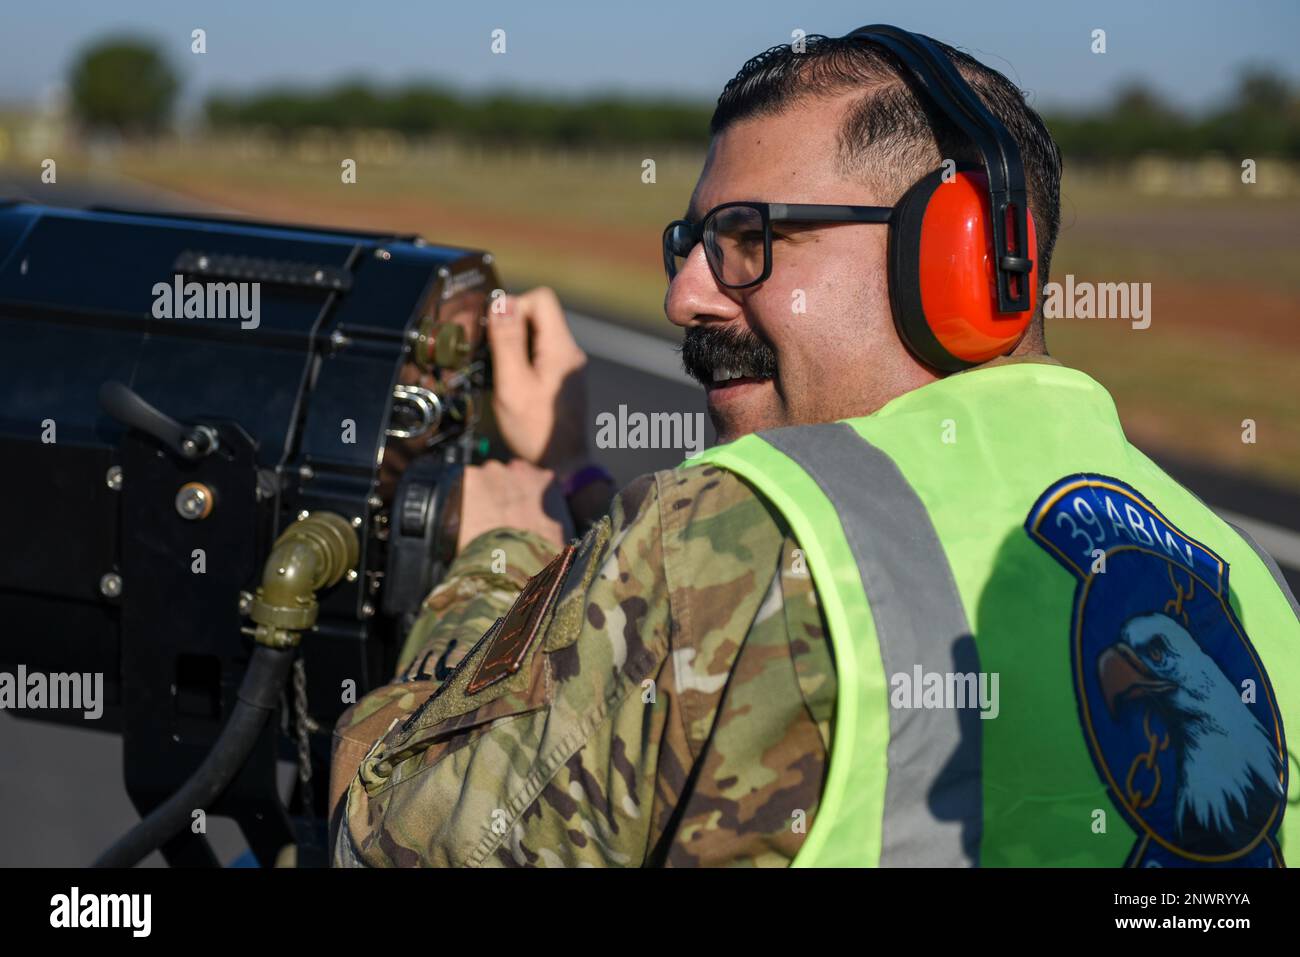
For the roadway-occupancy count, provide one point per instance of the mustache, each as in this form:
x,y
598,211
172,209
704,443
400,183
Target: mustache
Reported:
x,y
705,349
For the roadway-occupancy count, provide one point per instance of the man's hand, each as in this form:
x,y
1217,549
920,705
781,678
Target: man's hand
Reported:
x,y
540,400
513,495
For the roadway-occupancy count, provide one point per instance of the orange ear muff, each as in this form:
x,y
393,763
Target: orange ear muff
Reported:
x,y
942,280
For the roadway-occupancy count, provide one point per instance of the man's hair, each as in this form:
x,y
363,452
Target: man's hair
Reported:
x,y
891,138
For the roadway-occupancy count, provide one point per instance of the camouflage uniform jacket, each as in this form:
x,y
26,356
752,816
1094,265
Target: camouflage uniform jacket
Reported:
x,y
671,705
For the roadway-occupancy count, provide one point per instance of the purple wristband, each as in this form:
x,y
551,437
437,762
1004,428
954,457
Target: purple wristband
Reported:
x,y
580,479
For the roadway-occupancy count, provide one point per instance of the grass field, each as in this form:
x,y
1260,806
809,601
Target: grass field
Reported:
x,y
1223,345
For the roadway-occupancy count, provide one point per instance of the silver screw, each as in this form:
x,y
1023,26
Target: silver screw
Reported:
x,y
443,272
113,478
303,514
191,502
352,574
375,501
487,259
266,484
383,254
367,610
245,602
110,586
356,521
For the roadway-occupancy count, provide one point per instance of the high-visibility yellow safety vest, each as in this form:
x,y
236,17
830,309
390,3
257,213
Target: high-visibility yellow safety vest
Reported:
x,y
1048,652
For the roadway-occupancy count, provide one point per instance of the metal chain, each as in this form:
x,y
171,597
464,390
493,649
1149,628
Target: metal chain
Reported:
x,y
304,726
1136,799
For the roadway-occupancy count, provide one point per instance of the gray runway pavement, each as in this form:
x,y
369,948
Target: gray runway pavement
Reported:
x,y
62,800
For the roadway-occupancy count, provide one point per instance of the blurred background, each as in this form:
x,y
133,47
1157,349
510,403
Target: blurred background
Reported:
x,y
524,129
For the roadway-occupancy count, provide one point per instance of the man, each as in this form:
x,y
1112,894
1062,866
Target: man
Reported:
x,y
890,638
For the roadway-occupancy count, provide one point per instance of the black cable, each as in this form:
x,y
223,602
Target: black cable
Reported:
x,y
257,699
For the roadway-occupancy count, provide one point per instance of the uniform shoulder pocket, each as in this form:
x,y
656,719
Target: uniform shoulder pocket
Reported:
x,y
502,676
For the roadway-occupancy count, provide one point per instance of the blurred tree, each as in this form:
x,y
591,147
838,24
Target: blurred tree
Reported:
x,y
125,84
422,108
351,105
1260,88
1140,121
1262,119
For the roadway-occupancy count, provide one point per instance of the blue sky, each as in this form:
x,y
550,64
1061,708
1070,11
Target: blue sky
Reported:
x,y
1190,51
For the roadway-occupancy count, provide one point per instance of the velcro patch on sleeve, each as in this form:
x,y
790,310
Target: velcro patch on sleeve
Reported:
x,y
521,626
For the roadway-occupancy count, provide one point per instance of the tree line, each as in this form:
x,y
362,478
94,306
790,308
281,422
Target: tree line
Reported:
x,y
127,85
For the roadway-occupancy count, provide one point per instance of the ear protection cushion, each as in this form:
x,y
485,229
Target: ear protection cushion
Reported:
x,y
942,280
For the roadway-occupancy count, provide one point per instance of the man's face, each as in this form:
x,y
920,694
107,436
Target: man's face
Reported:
x,y
823,316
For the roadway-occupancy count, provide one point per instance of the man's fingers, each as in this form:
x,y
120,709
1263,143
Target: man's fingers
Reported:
x,y
553,344
508,341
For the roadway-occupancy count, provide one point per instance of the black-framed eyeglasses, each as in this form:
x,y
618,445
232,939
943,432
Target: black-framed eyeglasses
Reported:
x,y
737,237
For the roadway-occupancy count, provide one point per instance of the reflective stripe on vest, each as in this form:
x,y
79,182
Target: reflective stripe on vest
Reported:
x,y
926,768
933,786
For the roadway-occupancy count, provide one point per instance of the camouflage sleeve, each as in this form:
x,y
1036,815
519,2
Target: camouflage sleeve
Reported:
x,y
754,676
480,585
657,696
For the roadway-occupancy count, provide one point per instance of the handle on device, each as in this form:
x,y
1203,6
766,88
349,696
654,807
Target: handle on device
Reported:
x,y
126,405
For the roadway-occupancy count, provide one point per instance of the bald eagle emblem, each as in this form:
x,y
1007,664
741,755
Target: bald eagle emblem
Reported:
x,y
1177,710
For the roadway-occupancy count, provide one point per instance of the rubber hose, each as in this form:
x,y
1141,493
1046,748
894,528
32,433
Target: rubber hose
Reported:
x,y
258,697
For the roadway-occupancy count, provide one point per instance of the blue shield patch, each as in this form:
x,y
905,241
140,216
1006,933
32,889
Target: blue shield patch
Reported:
x,y
1176,708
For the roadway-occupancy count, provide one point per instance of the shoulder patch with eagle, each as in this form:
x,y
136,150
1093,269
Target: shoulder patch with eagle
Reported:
x,y
1177,710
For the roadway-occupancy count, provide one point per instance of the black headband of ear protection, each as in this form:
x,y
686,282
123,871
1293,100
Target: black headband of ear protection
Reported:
x,y
939,80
